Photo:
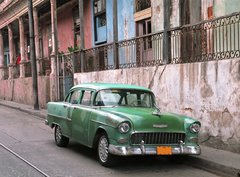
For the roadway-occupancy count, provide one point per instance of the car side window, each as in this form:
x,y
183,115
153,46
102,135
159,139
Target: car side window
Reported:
x,y
75,97
67,99
86,99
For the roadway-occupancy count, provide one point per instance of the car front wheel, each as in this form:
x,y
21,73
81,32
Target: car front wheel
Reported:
x,y
105,158
60,140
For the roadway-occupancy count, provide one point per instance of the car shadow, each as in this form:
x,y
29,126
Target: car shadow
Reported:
x,y
132,163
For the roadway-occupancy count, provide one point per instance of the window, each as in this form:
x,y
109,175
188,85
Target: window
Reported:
x,y
142,4
122,97
76,20
145,48
86,99
75,97
100,22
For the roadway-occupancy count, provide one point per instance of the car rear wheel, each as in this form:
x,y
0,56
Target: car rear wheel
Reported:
x,y
60,140
105,158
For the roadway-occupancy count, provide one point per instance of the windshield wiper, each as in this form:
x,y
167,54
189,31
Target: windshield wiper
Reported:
x,y
157,111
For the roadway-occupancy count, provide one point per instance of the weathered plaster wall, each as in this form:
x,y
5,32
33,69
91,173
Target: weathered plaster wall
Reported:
x,y
88,28
20,90
225,7
174,13
126,23
208,91
65,28
195,11
45,35
157,15
204,9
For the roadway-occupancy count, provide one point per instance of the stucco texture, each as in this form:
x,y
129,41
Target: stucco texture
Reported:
x,y
20,90
208,91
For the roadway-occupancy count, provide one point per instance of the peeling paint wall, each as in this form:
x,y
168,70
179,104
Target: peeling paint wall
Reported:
x,y
126,23
88,28
157,16
224,7
20,90
65,29
208,91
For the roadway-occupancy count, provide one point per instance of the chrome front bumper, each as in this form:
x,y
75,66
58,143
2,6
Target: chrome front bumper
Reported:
x,y
141,150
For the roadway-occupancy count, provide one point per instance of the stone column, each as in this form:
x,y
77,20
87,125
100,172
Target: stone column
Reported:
x,y
36,31
1,56
22,47
54,91
11,51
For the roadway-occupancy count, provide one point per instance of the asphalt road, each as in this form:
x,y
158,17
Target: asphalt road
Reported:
x,y
31,139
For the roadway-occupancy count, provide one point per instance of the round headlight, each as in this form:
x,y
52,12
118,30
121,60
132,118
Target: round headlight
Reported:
x,y
195,127
124,127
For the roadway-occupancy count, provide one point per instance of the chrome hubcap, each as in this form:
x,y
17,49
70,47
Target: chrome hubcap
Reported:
x,y
58,134
103,149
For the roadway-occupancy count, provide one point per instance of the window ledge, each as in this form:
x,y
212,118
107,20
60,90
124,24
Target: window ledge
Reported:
x,y
143,14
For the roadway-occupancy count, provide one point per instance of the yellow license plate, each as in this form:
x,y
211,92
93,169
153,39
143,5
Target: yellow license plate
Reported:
x,y
164,150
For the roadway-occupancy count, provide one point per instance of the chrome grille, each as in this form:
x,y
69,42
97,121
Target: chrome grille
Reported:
x,y
157,138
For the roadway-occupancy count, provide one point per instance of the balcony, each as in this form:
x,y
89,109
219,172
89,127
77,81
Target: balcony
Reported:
x,y
209,40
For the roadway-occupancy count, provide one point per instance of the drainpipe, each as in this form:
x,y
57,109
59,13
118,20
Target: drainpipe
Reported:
x,y
82,41
33,55
167,33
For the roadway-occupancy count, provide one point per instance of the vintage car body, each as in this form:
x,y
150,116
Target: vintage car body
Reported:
x,y
122,120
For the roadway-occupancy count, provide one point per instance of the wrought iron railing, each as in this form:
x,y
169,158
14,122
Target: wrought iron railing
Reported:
x,y
98,58
28,69
6,72
141,51
16,71
209,40
45,65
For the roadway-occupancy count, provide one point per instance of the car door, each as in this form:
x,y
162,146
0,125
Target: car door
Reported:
x,y
80,115
71,100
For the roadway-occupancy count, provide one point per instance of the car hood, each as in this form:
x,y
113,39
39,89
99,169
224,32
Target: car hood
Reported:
x,y
143,119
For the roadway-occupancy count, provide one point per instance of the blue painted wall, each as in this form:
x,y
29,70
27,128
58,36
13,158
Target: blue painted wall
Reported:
x,y
126,30
126,24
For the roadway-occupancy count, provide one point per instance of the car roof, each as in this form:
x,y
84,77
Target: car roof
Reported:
x,y
102,86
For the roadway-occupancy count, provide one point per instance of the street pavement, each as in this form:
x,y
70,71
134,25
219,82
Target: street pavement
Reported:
x,y
223,163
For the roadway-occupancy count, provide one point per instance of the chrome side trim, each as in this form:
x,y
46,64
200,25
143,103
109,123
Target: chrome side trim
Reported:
x,y
127,151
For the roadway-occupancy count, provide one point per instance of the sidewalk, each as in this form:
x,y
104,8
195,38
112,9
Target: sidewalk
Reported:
x,y
223,163
25,108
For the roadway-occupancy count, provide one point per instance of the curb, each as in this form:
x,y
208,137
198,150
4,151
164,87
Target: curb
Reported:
x,y
213,167
25,110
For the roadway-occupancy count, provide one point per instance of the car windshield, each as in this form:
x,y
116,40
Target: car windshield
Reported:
x,y
124,97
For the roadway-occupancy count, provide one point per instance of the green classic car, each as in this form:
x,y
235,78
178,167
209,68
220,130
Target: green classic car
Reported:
x,y
120,120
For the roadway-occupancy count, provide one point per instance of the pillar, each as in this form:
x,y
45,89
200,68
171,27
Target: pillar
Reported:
x,y
82,41
11,51
1,56
166,33
115,34
54,91
22,47
37,46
